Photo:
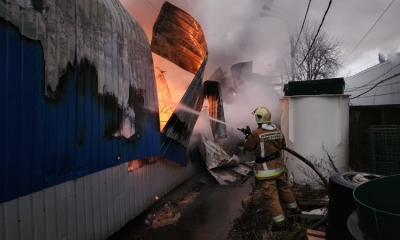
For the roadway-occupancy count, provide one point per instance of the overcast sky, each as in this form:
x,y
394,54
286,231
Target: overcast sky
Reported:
x,y
235,32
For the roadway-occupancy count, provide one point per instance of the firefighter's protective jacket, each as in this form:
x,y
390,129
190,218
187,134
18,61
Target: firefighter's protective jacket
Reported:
x,y
267,145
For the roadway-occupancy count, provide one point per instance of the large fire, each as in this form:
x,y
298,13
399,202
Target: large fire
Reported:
x,y
165,106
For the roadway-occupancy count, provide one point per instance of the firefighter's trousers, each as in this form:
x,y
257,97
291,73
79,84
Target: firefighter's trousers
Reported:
x,y
273,190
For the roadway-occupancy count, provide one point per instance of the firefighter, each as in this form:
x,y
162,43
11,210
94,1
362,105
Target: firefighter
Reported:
x,y
267,142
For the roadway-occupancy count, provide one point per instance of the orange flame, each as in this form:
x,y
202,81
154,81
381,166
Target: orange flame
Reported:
x,y
164,96
136,164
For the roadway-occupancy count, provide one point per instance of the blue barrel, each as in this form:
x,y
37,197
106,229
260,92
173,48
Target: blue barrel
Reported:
x,y
378,208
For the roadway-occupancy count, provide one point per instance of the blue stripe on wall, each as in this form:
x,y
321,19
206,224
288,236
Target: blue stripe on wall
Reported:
x,y
43,141
173,150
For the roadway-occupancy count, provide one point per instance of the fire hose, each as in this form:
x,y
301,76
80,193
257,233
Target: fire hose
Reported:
x,y
247,132
318,172
310,164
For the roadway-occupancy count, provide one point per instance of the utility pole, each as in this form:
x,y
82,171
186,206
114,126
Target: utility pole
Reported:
x,y
292,54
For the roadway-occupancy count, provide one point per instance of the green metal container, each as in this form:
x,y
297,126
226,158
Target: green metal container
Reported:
x,y
378,208
315,87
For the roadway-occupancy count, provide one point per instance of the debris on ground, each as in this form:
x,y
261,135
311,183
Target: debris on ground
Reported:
x,y
255,221
318,211
225,169
310,198
170,212
315,235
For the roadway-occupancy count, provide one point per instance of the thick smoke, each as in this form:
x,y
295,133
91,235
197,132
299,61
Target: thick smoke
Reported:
x,y
235,33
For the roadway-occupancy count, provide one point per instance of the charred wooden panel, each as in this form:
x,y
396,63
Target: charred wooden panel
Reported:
x,y
212,90
179,128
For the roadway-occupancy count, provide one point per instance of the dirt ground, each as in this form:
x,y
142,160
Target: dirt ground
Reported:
x,y
201,209
255,222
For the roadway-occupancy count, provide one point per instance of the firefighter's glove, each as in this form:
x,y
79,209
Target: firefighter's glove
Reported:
x,y
246,131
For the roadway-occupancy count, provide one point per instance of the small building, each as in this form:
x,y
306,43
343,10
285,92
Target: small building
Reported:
x,y
377,85
374,134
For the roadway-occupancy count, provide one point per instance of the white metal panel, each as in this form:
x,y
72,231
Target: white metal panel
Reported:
x,y
96,206
25,207
116,196
51,212
61,198
39,213
103,204
72,227
137,185
88,189
127,199
11,218
110,202
322,120
131,188
86,208
339,121
121,190
2,223
80,208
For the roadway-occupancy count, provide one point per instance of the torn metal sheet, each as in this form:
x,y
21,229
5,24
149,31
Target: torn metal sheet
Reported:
x,y
226,85
215,156
212,90
225,176
241,72
225,169
230,175
243,169
178,37
218,75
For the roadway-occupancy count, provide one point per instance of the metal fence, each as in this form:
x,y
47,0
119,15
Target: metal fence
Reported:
x,y
374,138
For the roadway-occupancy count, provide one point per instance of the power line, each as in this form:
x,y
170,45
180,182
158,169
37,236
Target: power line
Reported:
x,y
152,5
319,28
384,80
382,85
368,32
383,94
298,38
369,83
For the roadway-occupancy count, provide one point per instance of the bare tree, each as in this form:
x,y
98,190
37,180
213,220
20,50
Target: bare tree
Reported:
x,y
323,60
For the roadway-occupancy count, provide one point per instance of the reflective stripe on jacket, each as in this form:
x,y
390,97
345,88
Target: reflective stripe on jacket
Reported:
x,y
266,143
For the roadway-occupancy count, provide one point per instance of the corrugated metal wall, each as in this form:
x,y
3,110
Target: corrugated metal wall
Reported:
x,y
91,207
78,100
378,85
77,93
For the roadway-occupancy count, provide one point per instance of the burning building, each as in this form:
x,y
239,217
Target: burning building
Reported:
x,y
81,118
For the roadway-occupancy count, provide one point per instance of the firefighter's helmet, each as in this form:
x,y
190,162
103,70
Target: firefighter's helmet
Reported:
x,y
262,115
